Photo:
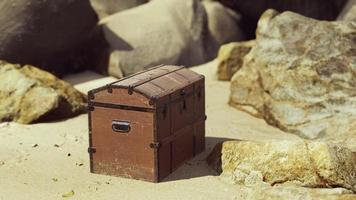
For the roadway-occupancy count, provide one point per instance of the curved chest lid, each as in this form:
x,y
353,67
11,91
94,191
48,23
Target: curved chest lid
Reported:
x,y
158,81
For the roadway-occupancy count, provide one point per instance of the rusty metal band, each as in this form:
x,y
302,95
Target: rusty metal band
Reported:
x,y
141,72
179,133
150,79
90,143
123,107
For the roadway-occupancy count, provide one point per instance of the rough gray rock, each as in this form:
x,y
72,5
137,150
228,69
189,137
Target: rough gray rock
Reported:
x,y
303,163
301,76
105,8
159,32
223,26
50,34
28,94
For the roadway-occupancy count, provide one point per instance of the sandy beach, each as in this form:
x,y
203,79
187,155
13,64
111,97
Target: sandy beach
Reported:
x,y
50,160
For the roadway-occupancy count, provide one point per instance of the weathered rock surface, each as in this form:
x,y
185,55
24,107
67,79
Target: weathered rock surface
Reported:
x,y
50,34
230,58
304,163
223,24
349,11
105,8
301,76
159,32
28,94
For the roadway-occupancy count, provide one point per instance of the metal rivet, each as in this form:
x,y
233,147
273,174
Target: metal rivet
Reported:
x,y
91,96
109,89
90,108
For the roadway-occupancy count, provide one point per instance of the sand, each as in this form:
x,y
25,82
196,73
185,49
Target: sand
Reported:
x,y
47,160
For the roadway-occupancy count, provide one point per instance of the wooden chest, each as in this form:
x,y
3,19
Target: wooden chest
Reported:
x,y
146,125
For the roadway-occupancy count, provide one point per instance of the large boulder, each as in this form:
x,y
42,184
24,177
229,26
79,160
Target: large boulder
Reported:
x,y
251,10
223,24
300,76
50,34
230,58
28,94
105,8
158,32
303,163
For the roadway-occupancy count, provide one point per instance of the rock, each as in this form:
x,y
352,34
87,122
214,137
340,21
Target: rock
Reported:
x,y
68,194
251,10
223,25
230,58
28,94
303,163
105,8
300,76
294,193
159,32
50,34
348,13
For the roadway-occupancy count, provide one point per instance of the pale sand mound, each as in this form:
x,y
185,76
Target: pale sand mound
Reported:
x,y
34,161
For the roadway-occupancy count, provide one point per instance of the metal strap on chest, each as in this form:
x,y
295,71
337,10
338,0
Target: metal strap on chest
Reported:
x,y
143,81
135,74
156,145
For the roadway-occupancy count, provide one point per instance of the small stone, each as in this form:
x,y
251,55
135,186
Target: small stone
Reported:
x,y
55,179
69,194
79,164
35,145
56,145
69,154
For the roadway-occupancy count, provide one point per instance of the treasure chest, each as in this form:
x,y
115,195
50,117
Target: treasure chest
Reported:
x,y
146,125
